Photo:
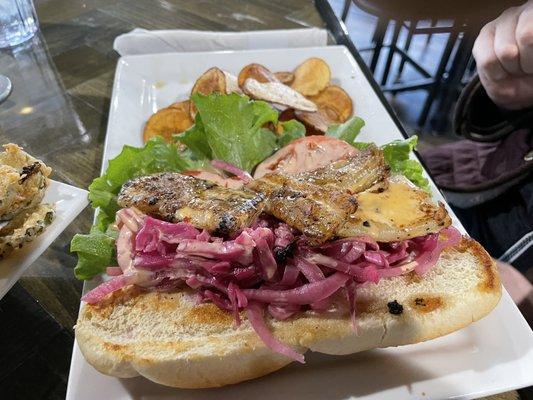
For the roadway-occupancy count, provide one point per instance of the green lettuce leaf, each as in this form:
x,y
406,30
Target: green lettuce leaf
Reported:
x,y
361,145
346,131
230,128
292,130
397,156
96,251
195,140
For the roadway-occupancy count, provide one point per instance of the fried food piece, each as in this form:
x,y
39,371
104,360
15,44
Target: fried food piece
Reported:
x,y
169,121
335,103
259,83
24,228
175,197
284,77
23,181
211,81
311,77
317,212
398,212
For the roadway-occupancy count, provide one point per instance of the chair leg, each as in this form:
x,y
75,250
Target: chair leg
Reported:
x,y
457,70
392,50
346,9
379,36
432,24
438,75
410,33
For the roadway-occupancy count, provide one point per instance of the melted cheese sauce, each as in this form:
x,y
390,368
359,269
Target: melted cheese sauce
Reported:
x,y
399,212
398,205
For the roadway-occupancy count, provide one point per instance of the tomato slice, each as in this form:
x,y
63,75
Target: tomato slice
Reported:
x,y
306,154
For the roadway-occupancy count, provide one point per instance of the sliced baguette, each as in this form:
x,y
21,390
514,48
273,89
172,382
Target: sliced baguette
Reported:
x,y
168,339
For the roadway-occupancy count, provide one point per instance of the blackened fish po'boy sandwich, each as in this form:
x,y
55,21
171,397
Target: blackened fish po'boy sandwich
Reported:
x,y
215,285
233,248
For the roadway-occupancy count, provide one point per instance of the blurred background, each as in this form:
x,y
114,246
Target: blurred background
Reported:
x,y
420,53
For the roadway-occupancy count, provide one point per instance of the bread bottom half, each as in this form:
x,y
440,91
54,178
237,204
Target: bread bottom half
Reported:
x,y
170,340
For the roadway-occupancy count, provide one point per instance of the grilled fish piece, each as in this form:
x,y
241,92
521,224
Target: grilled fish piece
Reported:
x,y
354,174
397,212
174,197
318,202
316,211
23,181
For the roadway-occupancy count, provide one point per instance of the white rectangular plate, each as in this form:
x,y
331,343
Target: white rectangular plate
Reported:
x,y
490,356
69,202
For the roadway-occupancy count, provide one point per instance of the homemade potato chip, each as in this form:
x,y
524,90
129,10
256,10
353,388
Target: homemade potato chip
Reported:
x,y
311,77
284,77
255,71
335,102
212,81
169,121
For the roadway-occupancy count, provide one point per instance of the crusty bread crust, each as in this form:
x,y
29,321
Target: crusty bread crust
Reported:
x,y
170,340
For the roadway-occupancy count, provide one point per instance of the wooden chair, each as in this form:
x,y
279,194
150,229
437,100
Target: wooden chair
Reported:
x,y
460,20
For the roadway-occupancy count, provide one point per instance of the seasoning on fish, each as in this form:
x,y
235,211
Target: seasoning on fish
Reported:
x,y
316,211
318,202
175,197
353,174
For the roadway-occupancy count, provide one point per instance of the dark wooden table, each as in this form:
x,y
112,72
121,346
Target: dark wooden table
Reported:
x,y
58,112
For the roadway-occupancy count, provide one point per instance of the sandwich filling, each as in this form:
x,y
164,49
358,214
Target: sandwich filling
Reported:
x,y
266,260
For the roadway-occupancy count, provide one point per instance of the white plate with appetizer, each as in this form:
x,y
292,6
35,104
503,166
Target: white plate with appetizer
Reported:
x,y
261,222
34,210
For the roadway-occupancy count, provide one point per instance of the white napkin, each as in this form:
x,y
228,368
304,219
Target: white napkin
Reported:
x,y
141,41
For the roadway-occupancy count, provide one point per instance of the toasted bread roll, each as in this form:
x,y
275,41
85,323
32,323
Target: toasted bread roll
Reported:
x,y
170,340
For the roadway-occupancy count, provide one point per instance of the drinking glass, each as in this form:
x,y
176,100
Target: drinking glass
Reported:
x,y
18,22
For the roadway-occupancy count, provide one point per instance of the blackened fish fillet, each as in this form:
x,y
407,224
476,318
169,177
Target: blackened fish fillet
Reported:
x,y
175,197
319,202
354,174
315,211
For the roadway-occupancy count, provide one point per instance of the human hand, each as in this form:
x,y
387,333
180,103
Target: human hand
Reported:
x,y
504,56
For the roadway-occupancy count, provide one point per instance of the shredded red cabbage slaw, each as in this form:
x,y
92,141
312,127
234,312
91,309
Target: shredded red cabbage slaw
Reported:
x,y
268,267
